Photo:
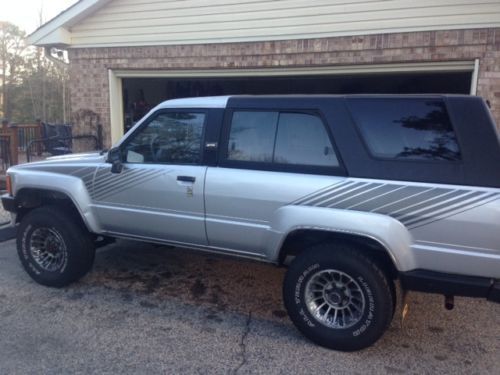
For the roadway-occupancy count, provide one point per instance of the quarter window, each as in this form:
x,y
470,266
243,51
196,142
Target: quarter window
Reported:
x,y
302,139
409,129
173,137
280,138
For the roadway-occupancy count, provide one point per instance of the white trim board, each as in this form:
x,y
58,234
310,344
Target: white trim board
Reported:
x,y
446,66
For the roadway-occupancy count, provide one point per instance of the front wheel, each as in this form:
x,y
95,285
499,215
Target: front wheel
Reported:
x,y
338,298
54,247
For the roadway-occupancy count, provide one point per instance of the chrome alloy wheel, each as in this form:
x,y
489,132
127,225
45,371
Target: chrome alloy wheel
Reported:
x,y
48,249
334,299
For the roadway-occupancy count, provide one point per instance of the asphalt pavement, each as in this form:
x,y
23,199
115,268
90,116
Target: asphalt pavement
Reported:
x,y
149,309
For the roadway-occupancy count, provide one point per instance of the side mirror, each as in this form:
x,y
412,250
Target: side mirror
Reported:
x,y
115,158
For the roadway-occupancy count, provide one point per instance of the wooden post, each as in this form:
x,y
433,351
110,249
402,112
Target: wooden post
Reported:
x,y
39,135
14,145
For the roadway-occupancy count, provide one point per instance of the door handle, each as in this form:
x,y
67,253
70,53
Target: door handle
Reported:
x,y
186,178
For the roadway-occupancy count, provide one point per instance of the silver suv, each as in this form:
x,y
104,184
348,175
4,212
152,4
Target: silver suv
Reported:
x,y
351,193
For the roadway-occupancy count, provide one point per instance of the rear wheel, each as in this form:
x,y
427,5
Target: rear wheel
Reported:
x,y
338,298
54,247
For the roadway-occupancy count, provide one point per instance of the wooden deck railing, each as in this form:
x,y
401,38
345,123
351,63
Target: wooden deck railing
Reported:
x,y
20,143
16,138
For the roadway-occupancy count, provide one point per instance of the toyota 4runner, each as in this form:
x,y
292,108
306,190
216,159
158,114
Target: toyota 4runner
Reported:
x,y
351,193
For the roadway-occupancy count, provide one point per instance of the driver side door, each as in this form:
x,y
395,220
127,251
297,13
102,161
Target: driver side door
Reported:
x,y
159,193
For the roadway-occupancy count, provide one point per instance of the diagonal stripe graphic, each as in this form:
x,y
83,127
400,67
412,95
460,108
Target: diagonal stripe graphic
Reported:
x,y
110,188
322,192
360,194
431,210
390,189
321,201
412,205
130,186
451,210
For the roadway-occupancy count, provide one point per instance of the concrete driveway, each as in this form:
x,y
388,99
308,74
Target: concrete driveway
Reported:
x,y
146,309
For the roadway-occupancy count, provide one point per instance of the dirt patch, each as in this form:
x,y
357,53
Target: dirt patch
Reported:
x,y
154,273
198,289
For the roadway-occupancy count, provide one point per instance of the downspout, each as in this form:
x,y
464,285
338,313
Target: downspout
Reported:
x,y
63,64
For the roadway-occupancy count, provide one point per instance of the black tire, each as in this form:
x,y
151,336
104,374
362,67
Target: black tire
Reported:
x,y
373,314
65,239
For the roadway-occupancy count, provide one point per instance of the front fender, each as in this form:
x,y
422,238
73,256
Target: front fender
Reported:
x,y
71,186
390,233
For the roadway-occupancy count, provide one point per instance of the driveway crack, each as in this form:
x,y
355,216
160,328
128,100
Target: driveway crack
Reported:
x,y
243,344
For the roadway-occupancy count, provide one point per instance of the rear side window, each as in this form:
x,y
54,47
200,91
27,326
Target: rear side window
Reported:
x,y
409,129
280,138
302,139
252,136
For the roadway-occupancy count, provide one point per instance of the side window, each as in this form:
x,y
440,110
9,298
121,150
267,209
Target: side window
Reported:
x,y
170,137
252,136
280,138
409,129
302,139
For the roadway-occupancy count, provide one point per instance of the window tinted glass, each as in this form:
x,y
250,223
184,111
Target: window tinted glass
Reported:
x,y
410,129
252,136
173,137
302,139
281,138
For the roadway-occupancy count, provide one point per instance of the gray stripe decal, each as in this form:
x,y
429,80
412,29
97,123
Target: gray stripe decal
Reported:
x,y
409,192
391,189
82,171
457,208
105,171
338,192
130,186
112,176
363,192
322,192
430,202
125,182
109,182
374,192
431,209
412,205
397,196
87,175
55,169
121,183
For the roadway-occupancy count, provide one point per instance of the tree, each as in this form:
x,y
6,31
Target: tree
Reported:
x,y
444,144
43,90
32,86
12,47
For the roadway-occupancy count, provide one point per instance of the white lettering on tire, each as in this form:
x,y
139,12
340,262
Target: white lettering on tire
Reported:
x,y
298,295
371,308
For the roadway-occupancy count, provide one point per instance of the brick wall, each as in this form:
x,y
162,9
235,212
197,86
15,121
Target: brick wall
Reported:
x,y
89,66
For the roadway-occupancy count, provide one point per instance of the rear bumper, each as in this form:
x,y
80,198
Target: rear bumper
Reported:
x,y
9,203
452,285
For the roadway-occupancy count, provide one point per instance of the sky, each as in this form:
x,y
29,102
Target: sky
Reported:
x,y
25,13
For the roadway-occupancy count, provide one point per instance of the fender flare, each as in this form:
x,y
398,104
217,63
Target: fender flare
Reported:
x,y
385,230
71,186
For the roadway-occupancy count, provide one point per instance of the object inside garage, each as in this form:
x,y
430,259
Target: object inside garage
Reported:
x,y
142,94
